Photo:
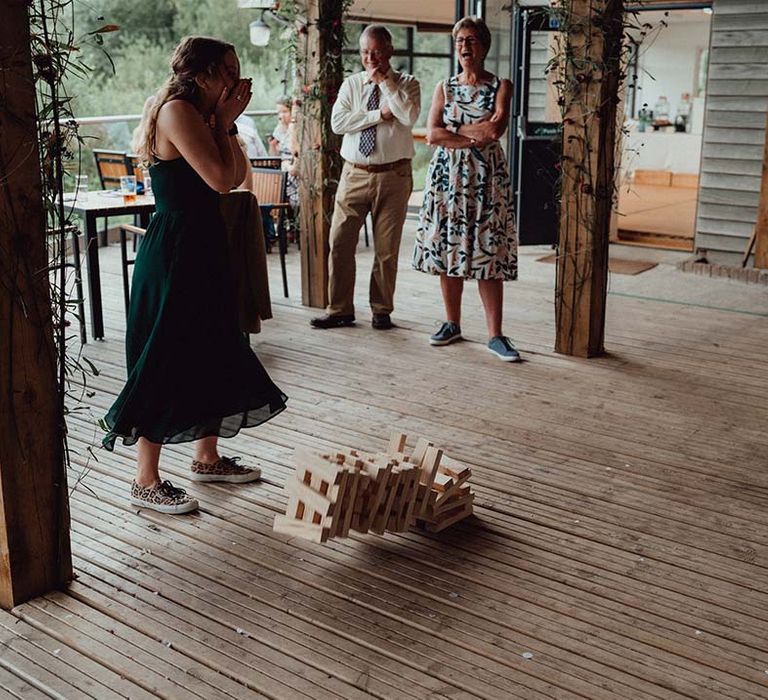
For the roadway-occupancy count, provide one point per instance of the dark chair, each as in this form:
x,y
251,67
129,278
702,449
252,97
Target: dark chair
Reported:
x,y
269,186
137,168
270,162
111,166
276,163
138,171
74,232
138,234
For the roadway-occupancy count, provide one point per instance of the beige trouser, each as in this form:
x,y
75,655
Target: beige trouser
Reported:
x,y
385,195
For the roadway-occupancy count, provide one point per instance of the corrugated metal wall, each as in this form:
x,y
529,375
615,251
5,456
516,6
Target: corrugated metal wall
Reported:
x,y
735,128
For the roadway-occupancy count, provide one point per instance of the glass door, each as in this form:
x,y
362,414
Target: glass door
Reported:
x,y
536,138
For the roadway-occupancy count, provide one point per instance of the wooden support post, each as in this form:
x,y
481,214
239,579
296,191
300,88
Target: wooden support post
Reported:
x,y
34,519
320,74
590,95
761,226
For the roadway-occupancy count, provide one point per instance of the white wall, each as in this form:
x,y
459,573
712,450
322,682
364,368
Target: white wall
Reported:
x,y
668,62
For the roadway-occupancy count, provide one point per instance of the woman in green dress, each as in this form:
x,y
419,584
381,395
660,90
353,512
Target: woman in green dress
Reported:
x,y
191,373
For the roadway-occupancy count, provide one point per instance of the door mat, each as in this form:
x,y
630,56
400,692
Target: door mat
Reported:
x,y
619,266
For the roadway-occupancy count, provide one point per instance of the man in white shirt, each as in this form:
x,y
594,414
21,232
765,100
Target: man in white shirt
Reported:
x,y
375,111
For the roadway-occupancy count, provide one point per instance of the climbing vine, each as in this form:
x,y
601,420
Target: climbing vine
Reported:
x,y
56,57
318,76
591,55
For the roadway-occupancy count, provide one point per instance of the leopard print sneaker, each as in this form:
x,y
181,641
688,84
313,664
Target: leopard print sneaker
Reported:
x,y
163,497
226,469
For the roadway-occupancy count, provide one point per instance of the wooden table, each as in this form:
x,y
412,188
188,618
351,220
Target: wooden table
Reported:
x,y
94,206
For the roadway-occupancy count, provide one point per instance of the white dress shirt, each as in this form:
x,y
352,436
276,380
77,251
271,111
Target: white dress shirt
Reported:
x,y
350,116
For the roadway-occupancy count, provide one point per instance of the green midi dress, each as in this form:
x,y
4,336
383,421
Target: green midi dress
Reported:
x,y
191,371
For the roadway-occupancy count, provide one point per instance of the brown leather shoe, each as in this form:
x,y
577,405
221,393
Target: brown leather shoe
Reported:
x,y
382,322
335,321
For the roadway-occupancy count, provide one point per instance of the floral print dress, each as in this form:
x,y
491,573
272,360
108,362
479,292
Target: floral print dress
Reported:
x,y
466,224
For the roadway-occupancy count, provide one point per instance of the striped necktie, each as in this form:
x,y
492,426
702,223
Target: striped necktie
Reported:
x,y
368,136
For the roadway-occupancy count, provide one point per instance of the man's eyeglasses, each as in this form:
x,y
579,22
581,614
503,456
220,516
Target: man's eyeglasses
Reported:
x,y
372,54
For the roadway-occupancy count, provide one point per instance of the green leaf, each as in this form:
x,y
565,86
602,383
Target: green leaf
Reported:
x,y
91,366
106,29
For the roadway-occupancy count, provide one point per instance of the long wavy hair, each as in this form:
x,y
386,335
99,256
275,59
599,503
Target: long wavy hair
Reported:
x,y
194,55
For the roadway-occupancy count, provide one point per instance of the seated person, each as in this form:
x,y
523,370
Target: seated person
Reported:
x,y
267,223
280,140
247,130
283,143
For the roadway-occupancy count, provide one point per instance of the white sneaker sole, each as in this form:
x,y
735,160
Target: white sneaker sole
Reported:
x,y
253,475
453,339
173,510
503,358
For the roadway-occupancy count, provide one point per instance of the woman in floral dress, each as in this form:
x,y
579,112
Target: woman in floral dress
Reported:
x,y
466,225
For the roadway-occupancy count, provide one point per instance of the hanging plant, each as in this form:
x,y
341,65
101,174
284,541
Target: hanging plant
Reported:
x,y
592,51
315,90
56,57
573,77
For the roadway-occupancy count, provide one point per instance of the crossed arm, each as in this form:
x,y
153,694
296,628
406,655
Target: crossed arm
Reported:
x,y
478,134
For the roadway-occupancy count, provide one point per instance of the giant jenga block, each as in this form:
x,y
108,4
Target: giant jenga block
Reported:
x,y
334,492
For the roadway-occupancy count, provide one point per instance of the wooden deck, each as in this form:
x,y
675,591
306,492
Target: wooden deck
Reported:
x,y
657,216
618,549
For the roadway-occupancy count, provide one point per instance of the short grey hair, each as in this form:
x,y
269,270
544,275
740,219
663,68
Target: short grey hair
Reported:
x,y
377,31
476,25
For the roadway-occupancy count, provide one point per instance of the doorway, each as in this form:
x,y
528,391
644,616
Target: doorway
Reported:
x,y
659,160
660,157
536,129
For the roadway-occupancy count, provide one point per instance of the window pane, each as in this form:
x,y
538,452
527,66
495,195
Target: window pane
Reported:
x,y
351,63
420,164
432,42
353,30
399,37
429,72
542,94
499,20
350,56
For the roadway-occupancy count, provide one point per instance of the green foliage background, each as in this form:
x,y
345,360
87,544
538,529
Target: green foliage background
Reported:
x,y
132,63
148,33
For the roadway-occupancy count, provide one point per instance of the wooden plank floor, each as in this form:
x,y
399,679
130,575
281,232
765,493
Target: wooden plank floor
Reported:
x,y
658,216
619,548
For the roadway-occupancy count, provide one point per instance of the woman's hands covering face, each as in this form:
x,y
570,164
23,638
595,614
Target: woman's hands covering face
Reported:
x,y
232,102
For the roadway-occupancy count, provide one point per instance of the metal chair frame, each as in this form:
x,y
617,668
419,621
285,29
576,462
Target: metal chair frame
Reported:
x,y
138,234
74,232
